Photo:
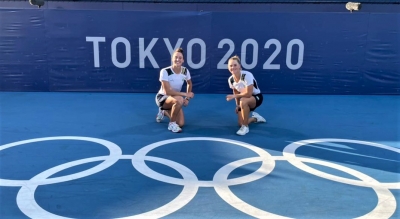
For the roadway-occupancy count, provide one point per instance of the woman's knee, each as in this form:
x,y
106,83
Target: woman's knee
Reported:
x,y
246,103
243,103
178,100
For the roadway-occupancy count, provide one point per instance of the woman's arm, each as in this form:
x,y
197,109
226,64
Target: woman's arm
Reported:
x,y
237,99
171,92
248,92
189,86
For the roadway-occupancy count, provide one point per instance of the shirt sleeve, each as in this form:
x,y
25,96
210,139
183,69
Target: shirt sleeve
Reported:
x,y
249,79
163,75
229,82
188,77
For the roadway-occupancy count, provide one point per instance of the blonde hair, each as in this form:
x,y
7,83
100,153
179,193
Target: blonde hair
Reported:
x,y
236,58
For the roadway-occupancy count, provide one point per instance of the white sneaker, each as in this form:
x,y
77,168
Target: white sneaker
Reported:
x,y
258,117
160,116
243,130
172,126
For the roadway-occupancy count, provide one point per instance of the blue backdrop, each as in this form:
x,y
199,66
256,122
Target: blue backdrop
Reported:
x,y
123,51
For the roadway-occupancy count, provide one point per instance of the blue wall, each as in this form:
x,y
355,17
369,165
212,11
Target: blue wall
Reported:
x,y
123,50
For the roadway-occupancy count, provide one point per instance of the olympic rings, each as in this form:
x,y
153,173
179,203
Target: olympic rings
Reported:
x,y
266,167
289,154
114,149
28,205
26,196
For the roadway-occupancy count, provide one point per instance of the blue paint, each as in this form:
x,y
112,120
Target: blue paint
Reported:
x,y
307,52
120,190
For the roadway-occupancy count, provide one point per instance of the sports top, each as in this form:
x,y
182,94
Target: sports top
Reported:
x,y
175,79
246,79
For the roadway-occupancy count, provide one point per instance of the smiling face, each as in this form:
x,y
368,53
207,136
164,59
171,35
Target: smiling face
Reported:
x,y
234,66
177,59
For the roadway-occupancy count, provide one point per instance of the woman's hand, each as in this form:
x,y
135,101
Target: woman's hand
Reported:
x,y
237,109
185,102
189,95
230,97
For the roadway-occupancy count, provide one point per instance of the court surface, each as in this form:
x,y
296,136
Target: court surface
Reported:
x,y
103,155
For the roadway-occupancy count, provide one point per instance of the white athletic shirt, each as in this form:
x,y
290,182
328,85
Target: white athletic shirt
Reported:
x,y
246,79
175,80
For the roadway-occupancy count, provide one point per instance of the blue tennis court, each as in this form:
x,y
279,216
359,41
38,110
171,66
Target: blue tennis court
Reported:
x,y
103,155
